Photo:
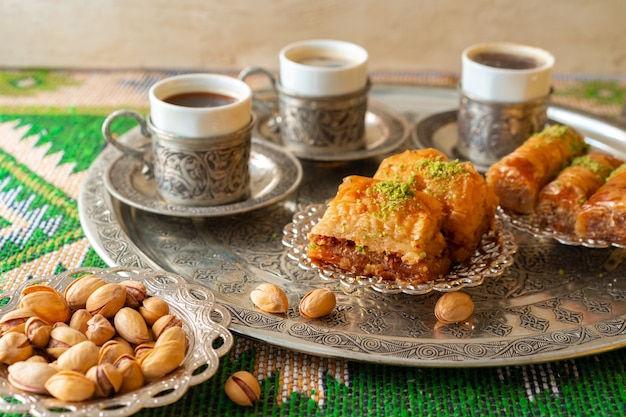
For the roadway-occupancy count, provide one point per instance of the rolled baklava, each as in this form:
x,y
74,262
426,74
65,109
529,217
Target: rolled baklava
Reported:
x,y
518,177
384,229
561,199
603,216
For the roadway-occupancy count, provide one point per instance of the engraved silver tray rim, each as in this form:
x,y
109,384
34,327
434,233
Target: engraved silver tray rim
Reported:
x,y
105,222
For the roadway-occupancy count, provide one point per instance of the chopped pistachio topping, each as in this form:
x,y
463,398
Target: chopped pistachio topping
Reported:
x,y
440,169
592,165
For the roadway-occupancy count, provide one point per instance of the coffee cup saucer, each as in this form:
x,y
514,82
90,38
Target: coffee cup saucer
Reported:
x,y
274,174
385,131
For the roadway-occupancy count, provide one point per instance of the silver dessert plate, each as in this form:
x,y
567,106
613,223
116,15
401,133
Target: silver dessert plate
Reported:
x,y
205,324
554,302
274,174
489,261
385,131
440,131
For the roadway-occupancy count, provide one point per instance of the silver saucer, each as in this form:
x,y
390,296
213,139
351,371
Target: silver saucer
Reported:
x,y
385,131
274,171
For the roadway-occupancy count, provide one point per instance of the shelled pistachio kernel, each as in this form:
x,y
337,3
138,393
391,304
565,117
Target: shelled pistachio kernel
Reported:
x,y
243,388
317,303
270,298
454,307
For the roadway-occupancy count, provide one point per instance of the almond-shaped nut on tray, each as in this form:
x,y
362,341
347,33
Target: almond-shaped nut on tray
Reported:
x,y
317,303
454,307
270,298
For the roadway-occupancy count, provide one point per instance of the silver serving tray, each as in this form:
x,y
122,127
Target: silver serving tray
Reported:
x,y
554,302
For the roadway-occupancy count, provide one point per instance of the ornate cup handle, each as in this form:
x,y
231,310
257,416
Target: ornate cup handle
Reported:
x,y
135,152
274,120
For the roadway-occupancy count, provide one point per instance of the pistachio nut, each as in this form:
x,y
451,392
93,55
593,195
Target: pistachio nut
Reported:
x,y
131,326
162,360
14,347
99,329
62,337
113,349
106,300
70,386
79,357
165,322
454,307
142,349
175,333
136,292
37,358
30,376
106,378
80,289
47,304
38,331
270,298
317,303
243,388
15,320
132,377
152,308
80,320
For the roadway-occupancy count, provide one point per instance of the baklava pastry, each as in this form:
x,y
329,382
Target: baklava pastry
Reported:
x,y
561,199
383,229
469,203
518,177
603,216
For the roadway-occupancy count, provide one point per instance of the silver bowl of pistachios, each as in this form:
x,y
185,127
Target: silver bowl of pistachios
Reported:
x,y
107,342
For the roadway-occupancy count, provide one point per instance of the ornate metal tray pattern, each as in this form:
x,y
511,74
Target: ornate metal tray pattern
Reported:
x,y
489,261
554,302
204,322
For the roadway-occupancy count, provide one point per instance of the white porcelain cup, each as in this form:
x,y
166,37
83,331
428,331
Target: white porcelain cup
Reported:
x,y
322,67
229,111
506,72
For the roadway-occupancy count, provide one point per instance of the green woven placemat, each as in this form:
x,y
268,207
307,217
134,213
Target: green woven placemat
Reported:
x,y
50,134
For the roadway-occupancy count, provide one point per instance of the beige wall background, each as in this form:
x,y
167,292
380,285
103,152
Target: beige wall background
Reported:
x,y
586,36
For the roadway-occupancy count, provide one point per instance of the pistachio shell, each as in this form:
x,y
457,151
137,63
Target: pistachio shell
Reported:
x,y
47,304
152,308
38,288
317,303
270,298
79,320
15,320
80,289
30,376
79,357
132,377
106,300
453,307
162,360
62,337
38,331
14,347
70,386
165,322
136,292
106,378
99,329
142,349
175,333
112,350
243,388
131,326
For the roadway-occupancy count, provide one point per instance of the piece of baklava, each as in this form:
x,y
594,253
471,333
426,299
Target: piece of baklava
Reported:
x,y
603,216
469,203
518,177
383,229
561,199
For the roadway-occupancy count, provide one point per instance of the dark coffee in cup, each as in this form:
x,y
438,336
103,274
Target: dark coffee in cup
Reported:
x,y
324,60
200,99
505,60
